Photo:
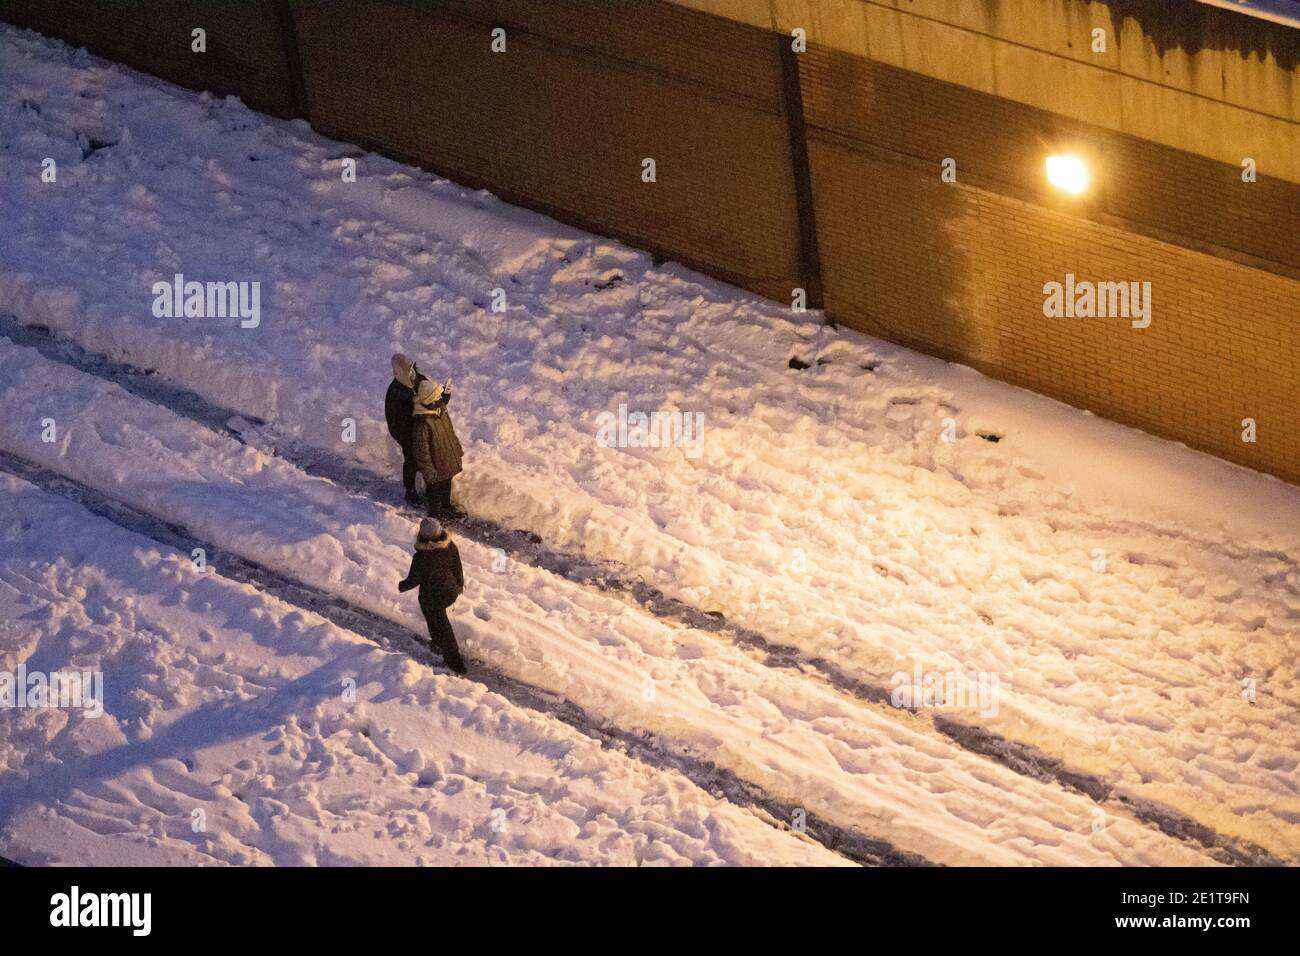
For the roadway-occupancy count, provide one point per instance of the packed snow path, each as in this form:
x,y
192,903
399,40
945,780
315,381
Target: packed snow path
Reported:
x,y
1125,591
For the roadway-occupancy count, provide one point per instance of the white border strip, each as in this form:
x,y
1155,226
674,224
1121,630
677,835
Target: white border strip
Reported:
x,y
1277,11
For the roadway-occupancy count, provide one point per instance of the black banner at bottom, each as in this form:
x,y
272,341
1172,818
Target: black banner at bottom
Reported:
x,y
335,906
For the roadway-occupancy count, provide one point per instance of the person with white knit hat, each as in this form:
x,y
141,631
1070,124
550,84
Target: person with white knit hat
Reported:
x,y
436,570
435,447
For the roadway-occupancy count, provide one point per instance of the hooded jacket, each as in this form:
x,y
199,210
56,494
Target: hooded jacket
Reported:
x,y
400,400
434,444
436,570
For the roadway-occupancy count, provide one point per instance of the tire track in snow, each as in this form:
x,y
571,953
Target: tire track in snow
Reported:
x,y
644,747
1024,759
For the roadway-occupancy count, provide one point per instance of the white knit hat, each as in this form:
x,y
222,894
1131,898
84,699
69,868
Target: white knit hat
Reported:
x,y
429,393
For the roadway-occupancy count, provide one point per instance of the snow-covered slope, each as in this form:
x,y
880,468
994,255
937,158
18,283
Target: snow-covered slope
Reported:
x,y
1125,591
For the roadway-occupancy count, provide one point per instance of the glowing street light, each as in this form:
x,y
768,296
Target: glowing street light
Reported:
x,y
1069,173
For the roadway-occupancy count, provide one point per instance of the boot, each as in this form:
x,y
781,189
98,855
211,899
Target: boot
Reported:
x,y
446,510
450,655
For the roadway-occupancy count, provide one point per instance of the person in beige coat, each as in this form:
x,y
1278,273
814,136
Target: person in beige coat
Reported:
x,y
436,448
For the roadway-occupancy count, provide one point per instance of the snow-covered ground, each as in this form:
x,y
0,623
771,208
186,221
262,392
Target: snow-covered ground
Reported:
x,y
1138,603
224,700
840,759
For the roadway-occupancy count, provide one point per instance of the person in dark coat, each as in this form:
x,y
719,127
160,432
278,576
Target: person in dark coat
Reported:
x,y
399,412
437,572
435,446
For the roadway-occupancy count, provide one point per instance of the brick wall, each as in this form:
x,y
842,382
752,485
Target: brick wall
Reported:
x,y
245,57
562,121
958,270
1001,145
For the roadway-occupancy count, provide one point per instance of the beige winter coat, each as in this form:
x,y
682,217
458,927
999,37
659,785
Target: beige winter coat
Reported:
x,y
434,443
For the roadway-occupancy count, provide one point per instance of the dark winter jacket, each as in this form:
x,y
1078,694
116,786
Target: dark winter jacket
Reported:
x,y
399,413
434,443
436,571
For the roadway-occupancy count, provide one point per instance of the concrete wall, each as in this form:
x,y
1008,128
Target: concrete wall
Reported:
x,y
1205,80
1001,144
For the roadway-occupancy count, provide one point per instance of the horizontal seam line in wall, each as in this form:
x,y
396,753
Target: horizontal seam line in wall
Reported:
x,y
544,41
1083,63
563,213
985,185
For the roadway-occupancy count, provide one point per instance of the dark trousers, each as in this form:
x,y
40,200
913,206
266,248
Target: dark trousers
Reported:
x,y
437,497
409,469
442,637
